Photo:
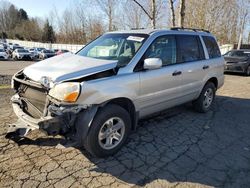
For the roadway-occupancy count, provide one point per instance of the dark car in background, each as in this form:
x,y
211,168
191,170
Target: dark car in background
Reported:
x,y
44,54
238,61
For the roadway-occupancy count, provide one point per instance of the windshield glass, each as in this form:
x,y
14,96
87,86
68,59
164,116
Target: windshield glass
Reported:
x,y
40,49
22,51
120,47
1,50
48,51
239,53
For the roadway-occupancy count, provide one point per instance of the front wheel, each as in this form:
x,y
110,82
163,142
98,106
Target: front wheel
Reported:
x,y
206,98
248,71
108,132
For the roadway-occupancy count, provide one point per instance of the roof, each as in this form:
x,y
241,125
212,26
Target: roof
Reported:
x,y
151,31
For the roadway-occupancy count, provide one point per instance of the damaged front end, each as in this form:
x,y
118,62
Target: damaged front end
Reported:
x,y
37,110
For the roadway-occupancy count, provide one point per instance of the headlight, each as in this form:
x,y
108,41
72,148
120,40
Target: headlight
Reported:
x,y
67,92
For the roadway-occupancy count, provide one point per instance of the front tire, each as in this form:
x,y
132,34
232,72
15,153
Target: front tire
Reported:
x,y
108,132
206,98
248,71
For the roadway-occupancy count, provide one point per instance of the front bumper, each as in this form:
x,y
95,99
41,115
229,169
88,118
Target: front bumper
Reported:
x,y
24,57
58,119
235,67
4,57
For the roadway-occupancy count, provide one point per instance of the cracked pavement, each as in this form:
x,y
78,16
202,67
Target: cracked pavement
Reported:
x,y
177,148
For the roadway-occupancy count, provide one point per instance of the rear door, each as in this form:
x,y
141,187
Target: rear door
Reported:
x,y
191,56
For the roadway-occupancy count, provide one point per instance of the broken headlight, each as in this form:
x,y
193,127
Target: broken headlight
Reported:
x,y
67,92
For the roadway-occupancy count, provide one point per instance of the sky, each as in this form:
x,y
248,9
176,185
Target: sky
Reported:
x,y
41,8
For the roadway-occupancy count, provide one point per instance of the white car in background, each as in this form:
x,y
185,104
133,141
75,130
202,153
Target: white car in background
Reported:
x,y
19,54
3,54
34,53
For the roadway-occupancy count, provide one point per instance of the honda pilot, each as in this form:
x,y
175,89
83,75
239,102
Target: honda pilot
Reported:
x,y
95,97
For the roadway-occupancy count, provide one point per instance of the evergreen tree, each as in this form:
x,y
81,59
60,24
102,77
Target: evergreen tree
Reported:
x,y
48,33
23,14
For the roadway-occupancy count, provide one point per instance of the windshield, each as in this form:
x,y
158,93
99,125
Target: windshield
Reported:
x,y
22,51
120,47
239,53
48,51
1,50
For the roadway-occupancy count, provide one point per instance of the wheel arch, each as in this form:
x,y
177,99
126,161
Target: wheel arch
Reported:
x,y
213,80
129,106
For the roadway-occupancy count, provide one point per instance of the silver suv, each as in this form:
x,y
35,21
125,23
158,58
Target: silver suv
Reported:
x,y
95,97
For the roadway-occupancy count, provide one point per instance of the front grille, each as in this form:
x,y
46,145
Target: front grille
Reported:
x,y
33,98
26,57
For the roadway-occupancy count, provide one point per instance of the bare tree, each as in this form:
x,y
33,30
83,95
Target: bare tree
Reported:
x,y
171,3
132,17
219,17
153,11
108,7
244,6
152,14
182,13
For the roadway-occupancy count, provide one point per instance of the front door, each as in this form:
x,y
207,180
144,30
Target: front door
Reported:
x,y
160,88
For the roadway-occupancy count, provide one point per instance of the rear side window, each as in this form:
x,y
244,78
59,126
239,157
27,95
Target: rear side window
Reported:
x,y
212,47
189,49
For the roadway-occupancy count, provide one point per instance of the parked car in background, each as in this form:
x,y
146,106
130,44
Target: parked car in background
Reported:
x,y
3,40
44,54
34,53
238,61
23,54
13,46
59,52
55,50
3,54
96,96
3,45
10,51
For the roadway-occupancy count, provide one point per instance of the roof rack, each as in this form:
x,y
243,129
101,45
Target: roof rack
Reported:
x,y
191,29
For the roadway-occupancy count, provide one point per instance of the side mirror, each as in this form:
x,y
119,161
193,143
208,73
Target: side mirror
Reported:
x,y
152,63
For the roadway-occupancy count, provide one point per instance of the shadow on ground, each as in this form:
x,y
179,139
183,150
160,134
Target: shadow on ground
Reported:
x,y
183,146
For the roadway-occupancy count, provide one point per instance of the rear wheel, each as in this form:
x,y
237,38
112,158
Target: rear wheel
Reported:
x,y
206,98
108,132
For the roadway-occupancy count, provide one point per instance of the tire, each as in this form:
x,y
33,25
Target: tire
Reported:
x,y
96,142
248,71
202,106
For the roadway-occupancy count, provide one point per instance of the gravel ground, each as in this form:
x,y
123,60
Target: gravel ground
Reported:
x,y
179,148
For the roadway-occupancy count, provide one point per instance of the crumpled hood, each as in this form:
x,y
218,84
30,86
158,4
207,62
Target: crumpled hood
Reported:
x,y
67,66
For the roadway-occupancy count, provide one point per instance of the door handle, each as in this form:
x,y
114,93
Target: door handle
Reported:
x,y
176,73
205,67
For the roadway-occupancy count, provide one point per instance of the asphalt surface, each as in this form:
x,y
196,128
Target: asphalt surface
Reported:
x,y
178,148
11,67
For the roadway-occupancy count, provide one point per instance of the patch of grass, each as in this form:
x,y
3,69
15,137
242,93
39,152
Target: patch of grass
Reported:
x,y
4,86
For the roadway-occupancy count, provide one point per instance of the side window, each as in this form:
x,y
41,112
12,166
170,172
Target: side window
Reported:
x,y
189,49
164,48
212,47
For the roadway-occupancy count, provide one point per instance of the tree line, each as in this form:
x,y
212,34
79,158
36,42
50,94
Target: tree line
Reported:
x,y
87,19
